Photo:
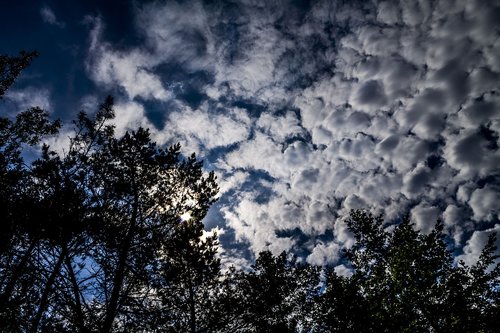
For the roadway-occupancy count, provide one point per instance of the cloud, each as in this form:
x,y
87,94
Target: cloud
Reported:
x,y
305,113
129,116
343,270
49,17
416,181
325,253
473,153
484,203
255,224
370,94
455,222
176,32
201,130
131,70
472,250
30,97
425,217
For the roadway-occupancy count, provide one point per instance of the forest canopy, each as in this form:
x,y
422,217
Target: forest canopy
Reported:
x,y
109,237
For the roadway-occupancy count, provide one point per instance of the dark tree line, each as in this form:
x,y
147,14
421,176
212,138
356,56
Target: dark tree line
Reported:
x,y
92,240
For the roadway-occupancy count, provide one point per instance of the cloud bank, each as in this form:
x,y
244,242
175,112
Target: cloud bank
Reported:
x,y
307,110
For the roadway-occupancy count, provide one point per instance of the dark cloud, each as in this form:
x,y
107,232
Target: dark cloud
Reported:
x,y
481,111
470,152
456,78
416,181
371,93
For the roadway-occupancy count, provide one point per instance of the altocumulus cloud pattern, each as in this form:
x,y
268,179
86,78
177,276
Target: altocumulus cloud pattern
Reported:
x,y
307,109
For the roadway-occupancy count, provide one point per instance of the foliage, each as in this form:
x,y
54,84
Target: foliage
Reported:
x,y
406,281
277,295
11,67
90,234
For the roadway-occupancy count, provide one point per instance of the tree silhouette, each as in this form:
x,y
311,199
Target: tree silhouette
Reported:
x,y
11,67
86,231
17,243
406,281
277,294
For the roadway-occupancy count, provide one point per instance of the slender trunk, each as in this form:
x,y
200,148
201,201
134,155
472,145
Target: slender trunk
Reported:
x,y
16,274
120,274
46,292
76,294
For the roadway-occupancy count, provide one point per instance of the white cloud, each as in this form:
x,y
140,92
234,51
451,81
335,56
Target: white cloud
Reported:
x,y
416,181
280,127
340,106
259,153
388,13
49,17
255,224
425,217
475,245
342,270
485,203
60,142
130,116
30,97
469,152
201,130
132,70
324,253
176,32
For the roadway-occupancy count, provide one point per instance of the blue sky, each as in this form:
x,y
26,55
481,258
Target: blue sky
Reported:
x,y
304,109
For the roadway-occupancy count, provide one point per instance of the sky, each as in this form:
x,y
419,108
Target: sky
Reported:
x,y
304,109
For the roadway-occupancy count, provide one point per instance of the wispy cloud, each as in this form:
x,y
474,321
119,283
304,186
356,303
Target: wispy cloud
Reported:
x,y
49,17
28,97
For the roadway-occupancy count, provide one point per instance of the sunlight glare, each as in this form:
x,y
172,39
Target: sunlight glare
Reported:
x,y
186,216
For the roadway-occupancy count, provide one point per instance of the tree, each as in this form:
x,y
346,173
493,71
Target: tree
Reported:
x,y
133,196
406,281
16,242
11,67
143,192
28,128
189,281
341,306
102,217
87,230
277,294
